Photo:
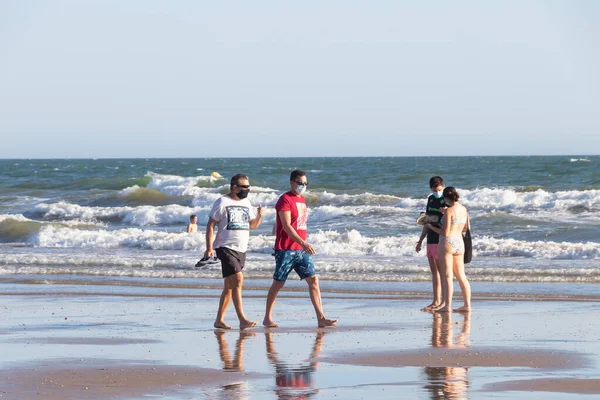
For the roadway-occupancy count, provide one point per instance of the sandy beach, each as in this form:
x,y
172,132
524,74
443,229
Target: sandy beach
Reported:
x,y
96,343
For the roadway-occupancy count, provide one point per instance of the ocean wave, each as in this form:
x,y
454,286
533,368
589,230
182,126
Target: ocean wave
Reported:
x,y
355,244
50,236
137,216
18,228
175,185
329,243
579,160
485,200
512,200
366,198
327,212
144,195
489,246
71,259
181,265
203,190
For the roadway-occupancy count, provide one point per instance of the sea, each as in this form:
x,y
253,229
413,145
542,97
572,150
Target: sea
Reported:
x,y
535,220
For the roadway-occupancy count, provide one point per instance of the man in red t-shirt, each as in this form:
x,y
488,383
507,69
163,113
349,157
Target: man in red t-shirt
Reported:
x,y
292,251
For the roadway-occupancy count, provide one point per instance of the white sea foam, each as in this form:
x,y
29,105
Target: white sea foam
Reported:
x,y
50,236
14,217
137,216
70,223
567,207
484,199
346,268
17,228
510,199
488,246
177,186
579,159
330,243
354,244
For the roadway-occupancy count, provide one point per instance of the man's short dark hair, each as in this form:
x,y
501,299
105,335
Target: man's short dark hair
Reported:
x,y
436,181
236,180
297,173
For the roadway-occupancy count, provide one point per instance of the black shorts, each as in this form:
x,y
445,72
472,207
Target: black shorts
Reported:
x,y
232,261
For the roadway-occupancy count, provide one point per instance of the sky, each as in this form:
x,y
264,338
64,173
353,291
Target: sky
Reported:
x,y
193,78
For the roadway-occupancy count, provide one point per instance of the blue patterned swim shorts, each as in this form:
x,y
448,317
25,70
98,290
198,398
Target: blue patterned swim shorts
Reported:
x,y
298,260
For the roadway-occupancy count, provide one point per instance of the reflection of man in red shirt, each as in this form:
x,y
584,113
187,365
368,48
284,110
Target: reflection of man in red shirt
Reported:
x,y
292,251
295,381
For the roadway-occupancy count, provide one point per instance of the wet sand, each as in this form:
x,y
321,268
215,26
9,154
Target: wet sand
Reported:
x,y
105,346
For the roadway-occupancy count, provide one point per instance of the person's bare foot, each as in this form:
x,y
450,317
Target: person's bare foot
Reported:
x,y
443,309
463,309
267,323
324,322
435,308
430,307
221,325
248,324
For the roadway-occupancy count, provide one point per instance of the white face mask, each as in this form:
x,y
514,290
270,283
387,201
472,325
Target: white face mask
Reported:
x,y
300,189
438,194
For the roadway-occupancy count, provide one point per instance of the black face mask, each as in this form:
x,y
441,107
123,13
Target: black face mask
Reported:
x,y
242,194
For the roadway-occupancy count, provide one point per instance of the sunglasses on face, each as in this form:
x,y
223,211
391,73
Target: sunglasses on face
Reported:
x,y
244,186
301,183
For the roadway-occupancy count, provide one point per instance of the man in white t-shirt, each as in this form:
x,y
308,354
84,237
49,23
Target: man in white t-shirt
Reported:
x,y
234,217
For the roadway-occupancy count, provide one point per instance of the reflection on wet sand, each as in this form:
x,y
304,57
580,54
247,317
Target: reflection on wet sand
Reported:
x,y
237,390
448,382
294,381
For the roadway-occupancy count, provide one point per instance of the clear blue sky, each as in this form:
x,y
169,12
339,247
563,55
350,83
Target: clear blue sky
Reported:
x,y
190,78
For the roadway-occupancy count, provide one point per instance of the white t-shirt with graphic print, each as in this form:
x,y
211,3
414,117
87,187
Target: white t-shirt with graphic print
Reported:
x,y
233,223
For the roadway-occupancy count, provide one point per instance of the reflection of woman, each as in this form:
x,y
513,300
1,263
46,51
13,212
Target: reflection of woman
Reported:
x,y
448,382
451,250
294,382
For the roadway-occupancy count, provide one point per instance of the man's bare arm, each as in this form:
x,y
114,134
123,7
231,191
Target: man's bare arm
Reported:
x,y
210,237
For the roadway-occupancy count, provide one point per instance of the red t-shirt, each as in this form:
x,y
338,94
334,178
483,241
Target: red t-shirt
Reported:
x,y
296,205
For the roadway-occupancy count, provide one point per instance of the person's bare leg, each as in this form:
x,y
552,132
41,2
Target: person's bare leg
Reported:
x,y
271,297
447,283
223,304
465,286
435,283
236,281
315,297
442,267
